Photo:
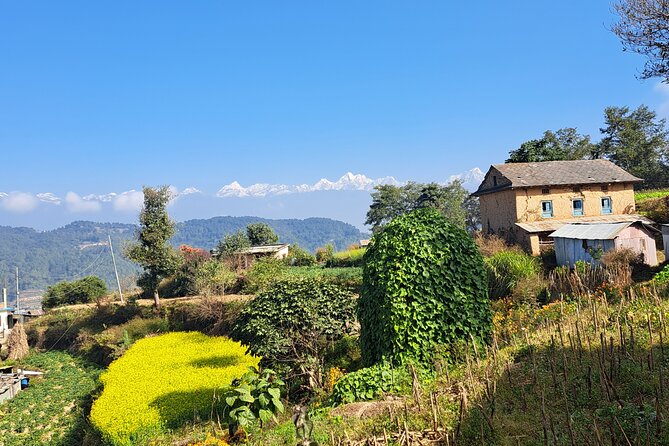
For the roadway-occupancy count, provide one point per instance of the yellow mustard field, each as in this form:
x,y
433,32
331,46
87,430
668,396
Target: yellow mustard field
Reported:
x,y
163,382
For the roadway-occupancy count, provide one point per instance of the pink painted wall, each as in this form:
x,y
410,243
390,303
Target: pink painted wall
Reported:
x,y
641,241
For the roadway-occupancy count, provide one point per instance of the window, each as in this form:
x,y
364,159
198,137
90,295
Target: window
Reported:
x,y
545,191
607,207
605,188
577,207
576,189
546,209
494,180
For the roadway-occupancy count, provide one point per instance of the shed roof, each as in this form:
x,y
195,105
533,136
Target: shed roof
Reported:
x,y
550,225
265,249
559,173
593,231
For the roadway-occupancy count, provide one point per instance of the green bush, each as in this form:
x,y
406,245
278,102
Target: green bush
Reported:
x,y
353,257
214,277
509,269
299,257
292,325
262,274
79,291
348,278
424,284
662,277
370,383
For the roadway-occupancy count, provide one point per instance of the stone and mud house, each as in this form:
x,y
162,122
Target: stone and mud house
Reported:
x,y
525,203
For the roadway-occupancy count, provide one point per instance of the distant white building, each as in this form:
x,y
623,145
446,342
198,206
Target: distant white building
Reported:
x,y
248,255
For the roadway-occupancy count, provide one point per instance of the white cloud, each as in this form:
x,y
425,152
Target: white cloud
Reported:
x,y
129,201
75,203
48,197
18,202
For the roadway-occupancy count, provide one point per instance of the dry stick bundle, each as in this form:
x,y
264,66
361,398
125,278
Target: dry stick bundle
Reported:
x,y
17,343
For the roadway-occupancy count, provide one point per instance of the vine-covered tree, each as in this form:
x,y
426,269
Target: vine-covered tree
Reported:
x,y
644,29
260,234
152,250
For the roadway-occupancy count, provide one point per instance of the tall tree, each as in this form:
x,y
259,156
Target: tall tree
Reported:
x,y
260,234
390,201
232,243
637,141
563,144
152,250
644,29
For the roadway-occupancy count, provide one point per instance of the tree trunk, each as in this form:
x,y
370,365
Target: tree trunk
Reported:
x,y
156,299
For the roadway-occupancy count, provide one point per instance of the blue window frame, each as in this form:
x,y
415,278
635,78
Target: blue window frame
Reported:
x,y
577,207
547,209
607,207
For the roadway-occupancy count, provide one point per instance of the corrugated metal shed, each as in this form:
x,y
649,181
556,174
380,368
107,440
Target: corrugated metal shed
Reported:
x,y
596,231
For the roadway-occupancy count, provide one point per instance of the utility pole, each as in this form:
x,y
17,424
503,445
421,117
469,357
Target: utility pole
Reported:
x,y
118,282
18,305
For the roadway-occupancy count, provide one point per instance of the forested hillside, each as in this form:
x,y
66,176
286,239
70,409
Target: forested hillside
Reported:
x,y
80,248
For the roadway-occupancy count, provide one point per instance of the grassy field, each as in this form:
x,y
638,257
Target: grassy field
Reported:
x,y
648,194
52,411
582,372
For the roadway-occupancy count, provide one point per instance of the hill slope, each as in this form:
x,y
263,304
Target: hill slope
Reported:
x,y
80,248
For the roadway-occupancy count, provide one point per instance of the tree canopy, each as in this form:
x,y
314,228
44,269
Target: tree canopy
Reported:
x,y
260,234
452,200
644,29
152,250
564,144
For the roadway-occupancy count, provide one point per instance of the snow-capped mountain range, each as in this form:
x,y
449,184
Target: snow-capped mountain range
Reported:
x,y
349,181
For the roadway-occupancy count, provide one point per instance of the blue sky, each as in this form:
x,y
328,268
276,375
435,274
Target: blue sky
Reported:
x,y
99,97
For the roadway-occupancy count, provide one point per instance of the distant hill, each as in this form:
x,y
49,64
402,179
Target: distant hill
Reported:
x,y
80,248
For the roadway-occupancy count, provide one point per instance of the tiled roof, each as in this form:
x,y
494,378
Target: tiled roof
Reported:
x,y
559,173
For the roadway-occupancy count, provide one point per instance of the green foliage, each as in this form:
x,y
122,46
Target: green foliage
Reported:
x,y
508,269
349,278
636,140
183,282
52,411
299,257
662,277
84,290
152,250
389,202
231,244
292,324
352,257
254,396
214,277
564,144
262,274
424,284
369,383
260,234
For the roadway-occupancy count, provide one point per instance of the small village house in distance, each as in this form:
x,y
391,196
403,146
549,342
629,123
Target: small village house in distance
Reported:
x,y
526,203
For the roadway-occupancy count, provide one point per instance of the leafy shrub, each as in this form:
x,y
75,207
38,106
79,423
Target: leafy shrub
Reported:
x,y
262,274
254,396
325,253
507,269
299,257
349,258
79,291
424,284
663,276
348,278
164,381
369,383
261,234
292,324
213,277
